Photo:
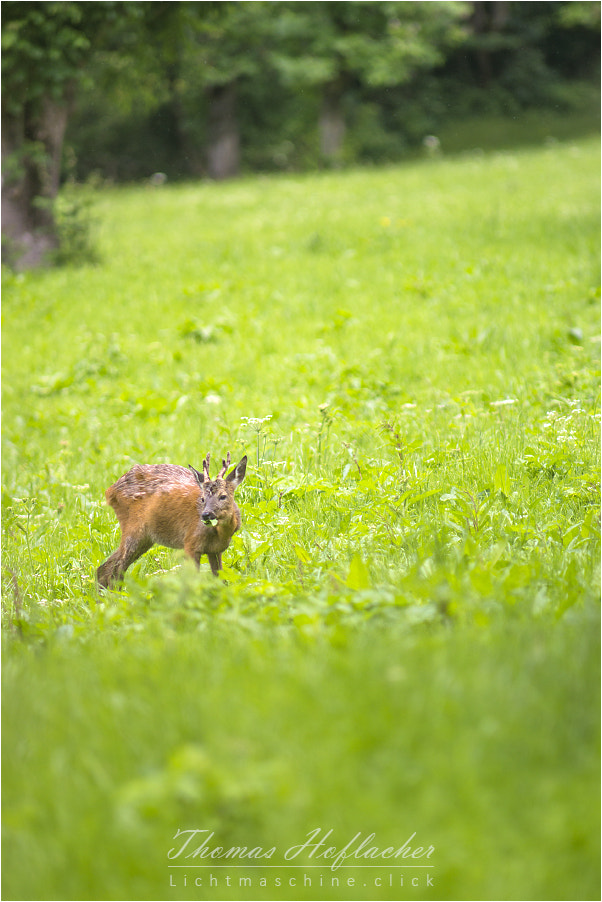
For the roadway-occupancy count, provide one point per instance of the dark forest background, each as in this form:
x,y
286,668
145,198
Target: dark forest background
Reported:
x,y
125,91
217,87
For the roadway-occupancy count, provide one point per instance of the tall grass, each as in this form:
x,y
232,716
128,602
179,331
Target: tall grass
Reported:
x,y
407,639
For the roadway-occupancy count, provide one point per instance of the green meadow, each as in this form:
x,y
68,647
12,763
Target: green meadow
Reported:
x,y
403,653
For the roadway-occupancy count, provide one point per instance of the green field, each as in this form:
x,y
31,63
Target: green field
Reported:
x,y
406,642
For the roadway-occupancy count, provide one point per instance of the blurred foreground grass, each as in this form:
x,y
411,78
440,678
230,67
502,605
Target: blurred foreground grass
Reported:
x,y
482,743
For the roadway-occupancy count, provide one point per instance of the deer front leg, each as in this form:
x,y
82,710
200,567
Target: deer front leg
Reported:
x,y
215,560
191,548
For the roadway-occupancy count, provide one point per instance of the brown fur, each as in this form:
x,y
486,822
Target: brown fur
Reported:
x,y
164,504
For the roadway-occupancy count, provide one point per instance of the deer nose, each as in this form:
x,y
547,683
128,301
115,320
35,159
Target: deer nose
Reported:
x,y
207,516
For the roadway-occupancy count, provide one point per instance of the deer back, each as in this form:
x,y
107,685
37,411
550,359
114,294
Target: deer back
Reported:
x,y
160,501
178,507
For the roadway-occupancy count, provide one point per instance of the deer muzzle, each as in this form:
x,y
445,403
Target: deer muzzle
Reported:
x,y
208,515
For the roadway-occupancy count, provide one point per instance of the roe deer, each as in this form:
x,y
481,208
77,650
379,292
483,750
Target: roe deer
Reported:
x,y
178,507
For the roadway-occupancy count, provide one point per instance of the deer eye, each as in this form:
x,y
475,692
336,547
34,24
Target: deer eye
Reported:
x,y
222,497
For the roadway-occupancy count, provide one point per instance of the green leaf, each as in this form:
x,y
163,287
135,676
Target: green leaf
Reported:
x,y
422,496
501,480
302,554
358,576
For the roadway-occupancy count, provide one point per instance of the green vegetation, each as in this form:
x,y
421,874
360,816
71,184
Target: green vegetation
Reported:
x,y
408,638
529,129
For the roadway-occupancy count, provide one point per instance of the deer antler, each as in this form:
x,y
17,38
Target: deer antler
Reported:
x,y
225,465
203,477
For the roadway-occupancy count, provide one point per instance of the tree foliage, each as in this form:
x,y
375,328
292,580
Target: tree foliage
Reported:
x,y
379,43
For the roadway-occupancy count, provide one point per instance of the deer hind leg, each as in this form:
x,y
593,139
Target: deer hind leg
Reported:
x,y
106,574
112,570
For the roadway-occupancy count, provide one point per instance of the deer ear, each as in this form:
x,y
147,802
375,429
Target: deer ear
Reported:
x,y
200,477
238,473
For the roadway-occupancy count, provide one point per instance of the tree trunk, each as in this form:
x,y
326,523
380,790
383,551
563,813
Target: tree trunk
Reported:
x,y
487,18
332,123
223,149
31,160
